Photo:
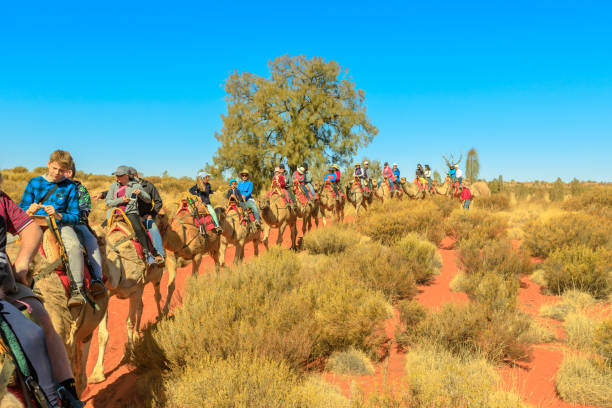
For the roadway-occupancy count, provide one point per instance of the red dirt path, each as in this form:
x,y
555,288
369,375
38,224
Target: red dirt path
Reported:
x,y
534,381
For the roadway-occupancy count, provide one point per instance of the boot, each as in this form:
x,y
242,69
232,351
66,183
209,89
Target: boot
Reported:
x,y
218,230
76,299
97,288
149,258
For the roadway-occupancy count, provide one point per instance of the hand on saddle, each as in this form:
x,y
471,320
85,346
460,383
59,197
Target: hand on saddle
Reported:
x,y
33,208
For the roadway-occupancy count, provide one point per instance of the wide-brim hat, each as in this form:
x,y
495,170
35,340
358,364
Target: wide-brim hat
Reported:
x,y
244,171
300,170
203,174
366,162
121,171
335,166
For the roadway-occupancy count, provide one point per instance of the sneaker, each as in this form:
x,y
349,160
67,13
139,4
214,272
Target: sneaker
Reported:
x,y
218,230
76,299
159,260
97,288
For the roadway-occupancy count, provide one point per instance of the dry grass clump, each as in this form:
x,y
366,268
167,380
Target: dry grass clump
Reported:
x,y
582,381
420,256
579,267
411,312
580,330
271,308
494,202
572,301
440,379
379,267
479,226
544,237
602,340
350,362
596,199
330,240
389,223
473,329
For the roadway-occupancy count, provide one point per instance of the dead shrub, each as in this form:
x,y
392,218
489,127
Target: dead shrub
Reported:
x,y
579,267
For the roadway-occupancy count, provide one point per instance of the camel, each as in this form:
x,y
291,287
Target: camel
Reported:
x,y
126,275
356,196
412,190
236,232
276,214
76,333
480,189
327,202
182,239
383,192
307,210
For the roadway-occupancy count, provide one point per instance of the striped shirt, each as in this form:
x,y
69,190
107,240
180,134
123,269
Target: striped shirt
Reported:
x,y
13,217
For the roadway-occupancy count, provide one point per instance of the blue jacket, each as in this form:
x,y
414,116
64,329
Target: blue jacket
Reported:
x,y
246,189
65,198
330,177
452,172
396,173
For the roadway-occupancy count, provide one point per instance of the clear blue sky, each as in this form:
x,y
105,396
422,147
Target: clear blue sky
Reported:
x,y
528,84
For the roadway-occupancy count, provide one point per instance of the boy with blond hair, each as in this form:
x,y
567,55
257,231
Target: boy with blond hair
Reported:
x,y
54,195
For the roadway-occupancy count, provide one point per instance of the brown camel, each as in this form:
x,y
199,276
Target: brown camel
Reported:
x,y
276,214
182,239
237,231
327,202
384,193
307,210
76,333
480,189
355,195
412,190
126,274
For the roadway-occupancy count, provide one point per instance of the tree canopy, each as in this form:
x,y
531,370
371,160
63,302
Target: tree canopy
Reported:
x,y
307,110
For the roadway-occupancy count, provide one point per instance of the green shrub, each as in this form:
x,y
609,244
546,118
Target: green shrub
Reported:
x,y
379,267
350,362
603,340
580,330
473,329
420,256
439,379
478,226
494,202
573,301
580,381
557,191
544,237
330,240
593,199
579,267
411,312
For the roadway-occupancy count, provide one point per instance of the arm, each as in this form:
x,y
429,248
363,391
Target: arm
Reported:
x,y
248,192
71,215
144,196
110,200
157,200
194,191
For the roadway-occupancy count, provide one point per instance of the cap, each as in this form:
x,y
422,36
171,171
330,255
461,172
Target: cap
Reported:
x,y
366,162
232,181
132,171
203,174
121,171
394,164
300,170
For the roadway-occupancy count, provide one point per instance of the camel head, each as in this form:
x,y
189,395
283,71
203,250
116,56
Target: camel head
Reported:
x,y
402,180
264,203
220,212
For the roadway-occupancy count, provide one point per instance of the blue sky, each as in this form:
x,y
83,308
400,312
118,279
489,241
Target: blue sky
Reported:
x,y
528,84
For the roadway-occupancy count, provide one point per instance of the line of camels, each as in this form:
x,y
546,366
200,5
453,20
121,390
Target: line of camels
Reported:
x,y
126,274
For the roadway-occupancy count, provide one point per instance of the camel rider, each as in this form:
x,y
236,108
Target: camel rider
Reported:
x,y
233,194
54,195
358,174
396,176
87,238
452,172
388,175
149,210
15,287
308,180
203,190
366,175
428,176
459,174
331,178
246,189
419,171
298,178
282,181
123,194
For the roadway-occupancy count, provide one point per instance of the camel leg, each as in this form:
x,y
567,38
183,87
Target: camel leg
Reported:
x,y
323,216
281,232
256,246
266,234
80,375
157,295
214,254
222,248
171,264
294,233
97,375
133,318
195,264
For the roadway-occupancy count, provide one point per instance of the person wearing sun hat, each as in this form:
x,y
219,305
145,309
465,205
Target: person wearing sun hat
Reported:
x,y
308,180
246,189
203,190
299,179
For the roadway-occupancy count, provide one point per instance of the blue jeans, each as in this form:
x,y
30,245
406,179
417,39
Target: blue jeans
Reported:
x,y
466,204
90,243
460,180
429,183
391,183
155,236
251,204
311,188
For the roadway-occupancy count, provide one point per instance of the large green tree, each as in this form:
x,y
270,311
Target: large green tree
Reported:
x,y
307,110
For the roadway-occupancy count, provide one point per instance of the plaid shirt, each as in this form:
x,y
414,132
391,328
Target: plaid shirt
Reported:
x,y
65,198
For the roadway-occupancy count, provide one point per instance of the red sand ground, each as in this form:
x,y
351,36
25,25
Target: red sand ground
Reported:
x,y
534,380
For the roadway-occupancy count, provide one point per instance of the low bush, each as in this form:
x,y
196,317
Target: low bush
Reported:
x,y
594,200
478,226
350,362
411,312
579,267
494,202
581,381
439,379
544,237
473,329
538,333
603,340
580,330
379,267
420,256
572,301
330,240
394,222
